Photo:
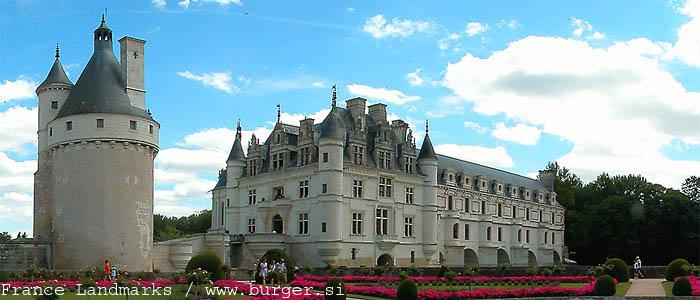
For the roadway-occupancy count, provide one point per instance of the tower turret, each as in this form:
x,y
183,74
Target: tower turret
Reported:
x,y
236,160
428,164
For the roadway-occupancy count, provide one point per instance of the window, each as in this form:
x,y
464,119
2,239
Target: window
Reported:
x,y
520,233
50,131
356,223
500,208
514,213
527,214
483,184
304,189
466,232
357,155
54,104
325,156
483,207
253,167
409,195
466,180
540,216
304,223
527,195
132,125
278,138
251,225
552,237
100,123
409,165
500,187
455,231
222,213
499,234
353,253
382,221
324,188
252,197
527,236
488,233
150,129
277,161
450,204
228,202
69,125
545,237
413,256
305,156
323,226
384,187
384,159
408,226
357,188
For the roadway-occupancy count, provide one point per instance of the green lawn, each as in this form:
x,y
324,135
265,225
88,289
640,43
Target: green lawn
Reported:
x,y
177,292
668,287
621,288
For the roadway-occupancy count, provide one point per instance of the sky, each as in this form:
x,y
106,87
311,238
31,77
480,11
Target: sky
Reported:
x,y
597,86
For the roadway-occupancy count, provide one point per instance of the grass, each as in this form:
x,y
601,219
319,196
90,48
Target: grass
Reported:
x,y
177,292
621,288
668,287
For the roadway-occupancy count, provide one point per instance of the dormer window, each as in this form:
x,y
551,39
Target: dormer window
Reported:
x,y
277,139
409,165
278,161
451,177
357,155
304,156
384,159
500,187
466,180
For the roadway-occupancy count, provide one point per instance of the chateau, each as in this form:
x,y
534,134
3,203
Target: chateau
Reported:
x,y
93,189
354,190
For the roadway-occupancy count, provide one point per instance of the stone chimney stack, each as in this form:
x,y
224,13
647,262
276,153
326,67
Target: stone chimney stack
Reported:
x,y
378,113
132,59
356,106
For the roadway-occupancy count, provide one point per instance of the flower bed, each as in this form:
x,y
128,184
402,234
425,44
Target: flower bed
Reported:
x,y
568,279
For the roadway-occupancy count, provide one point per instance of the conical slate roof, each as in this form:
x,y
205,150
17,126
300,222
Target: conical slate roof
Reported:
x,y
236,151
332,126
56,75
101,87
426,150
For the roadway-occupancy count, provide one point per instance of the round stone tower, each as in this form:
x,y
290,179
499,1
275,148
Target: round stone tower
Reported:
x,y
101,145
428,164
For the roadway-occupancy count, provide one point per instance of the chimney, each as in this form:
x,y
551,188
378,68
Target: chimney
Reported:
x,y
131,53
378,113
400,127
356,106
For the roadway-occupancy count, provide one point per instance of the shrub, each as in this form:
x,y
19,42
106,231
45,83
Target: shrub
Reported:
x,y
546,272
332,270
558,270
308,269
604,286
208,261
474,268
334,290
403,275
413,270
675,269
620,271
378,271
277,255
450,276
225,269
443,269
407,290
156,270
682,287
4,276
366,271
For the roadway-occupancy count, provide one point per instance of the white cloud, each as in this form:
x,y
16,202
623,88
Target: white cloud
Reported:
x,y
16,176
474,28
520,134
512,24
293,119
476,127
176,210
378,27
446,105
351,9
217,80
22,88
597,36
17,207
318,84
18,126
414,78
687,46
186,3
391,96
158,3
580,26
496,157
615,105
444,43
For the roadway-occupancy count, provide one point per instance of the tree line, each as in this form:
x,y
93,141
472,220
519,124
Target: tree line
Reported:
x,y
628,216
168,228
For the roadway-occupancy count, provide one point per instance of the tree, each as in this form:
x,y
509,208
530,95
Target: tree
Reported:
x,y
5,236
166,228
691,188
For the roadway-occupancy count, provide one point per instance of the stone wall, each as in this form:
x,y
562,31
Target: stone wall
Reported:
x,y
20,254
173,255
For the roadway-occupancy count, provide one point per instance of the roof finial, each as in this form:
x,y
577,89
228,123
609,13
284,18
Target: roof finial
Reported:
x,y
426,126
279,112
238,129
57,55
334,95
103,15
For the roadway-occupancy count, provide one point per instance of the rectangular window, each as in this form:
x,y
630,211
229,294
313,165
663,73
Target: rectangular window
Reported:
x,y
545,237
409,195
455,231
408,168
252,167
357,155
413,256
527,236
488,233
100,123
382,221
324,188
252,197
304,189
323,227
132,125
69,125
150,129
54,104
274,161
500,238
520,233
251,225
384,187
384,159
483,207
325,156
304,223
408,227
466,232
380,154
450,202
353,253
500,210
228,202
552,237
305,156
50,131
356,223
527,214
357,188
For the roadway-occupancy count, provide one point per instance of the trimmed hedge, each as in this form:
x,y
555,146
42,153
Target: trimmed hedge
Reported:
x,y
675,269
408,290
278,254
335,290
682,287
604,286
207,261
621,271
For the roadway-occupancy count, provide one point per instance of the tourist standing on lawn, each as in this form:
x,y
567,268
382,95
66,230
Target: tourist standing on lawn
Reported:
x,y
638,268
263,270
273,268
107,269
282,268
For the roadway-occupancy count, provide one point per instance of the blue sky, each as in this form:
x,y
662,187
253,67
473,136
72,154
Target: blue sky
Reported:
x,y
597,86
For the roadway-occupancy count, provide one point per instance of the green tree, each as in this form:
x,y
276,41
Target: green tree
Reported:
x,y
5,236
691,188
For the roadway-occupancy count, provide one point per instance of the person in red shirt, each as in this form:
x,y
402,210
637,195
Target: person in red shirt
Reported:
x,y
106,268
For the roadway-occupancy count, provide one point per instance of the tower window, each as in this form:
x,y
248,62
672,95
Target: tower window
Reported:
x,y
251,225
132,125
69,125
323,226
466,232
100,123
150,129
409,195
50,131
324,188
455,231
499,234
488,233
325,156
54,104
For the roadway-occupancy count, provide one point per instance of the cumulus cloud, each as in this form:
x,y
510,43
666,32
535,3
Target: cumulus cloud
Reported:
x,y
512,24
414,78
186,3
378,27
687,46
16,176
158,3
17,128
476,127
474,28
17,207
176,210
391,96
520,134
582,26
217,80
22,88
446,105
497,157
293,119
615,105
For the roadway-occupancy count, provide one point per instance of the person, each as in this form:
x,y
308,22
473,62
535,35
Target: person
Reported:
x,y
282,269
273,268
263,270
638,268
113,273
107,268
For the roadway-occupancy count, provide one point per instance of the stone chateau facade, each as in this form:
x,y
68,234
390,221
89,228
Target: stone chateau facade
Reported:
x,y
354,191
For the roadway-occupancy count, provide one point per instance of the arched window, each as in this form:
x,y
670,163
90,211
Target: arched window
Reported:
x,y
455,231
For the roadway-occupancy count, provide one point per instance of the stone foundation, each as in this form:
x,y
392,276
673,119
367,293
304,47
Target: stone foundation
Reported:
x,y
20,254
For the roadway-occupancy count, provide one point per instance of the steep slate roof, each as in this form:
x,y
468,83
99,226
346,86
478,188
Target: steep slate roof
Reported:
x,y
332,126
56,75
222,181
475,169
236,151
100,87
426,150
